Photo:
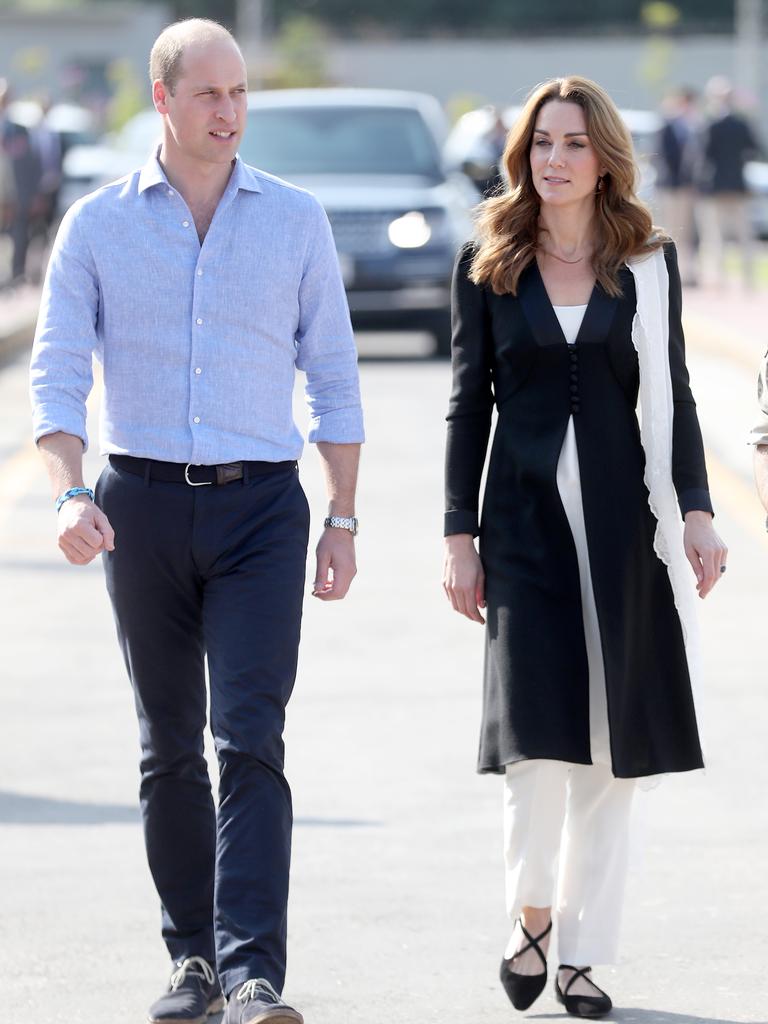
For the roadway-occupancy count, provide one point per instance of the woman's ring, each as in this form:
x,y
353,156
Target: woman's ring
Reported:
x,y
722,568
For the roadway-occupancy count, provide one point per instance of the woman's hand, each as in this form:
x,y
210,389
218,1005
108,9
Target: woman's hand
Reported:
x,y
704,550
463,576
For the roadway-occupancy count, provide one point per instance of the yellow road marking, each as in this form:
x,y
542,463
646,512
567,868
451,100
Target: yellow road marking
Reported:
x,y
712,339
738,498
18,471
16,476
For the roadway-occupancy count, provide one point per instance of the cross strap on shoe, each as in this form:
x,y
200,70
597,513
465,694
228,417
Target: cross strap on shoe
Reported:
x,y
580,1005
524,989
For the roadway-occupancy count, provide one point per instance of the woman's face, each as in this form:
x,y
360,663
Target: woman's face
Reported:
x,y
564,165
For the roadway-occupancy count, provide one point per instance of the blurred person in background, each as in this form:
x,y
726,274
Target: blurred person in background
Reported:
x,y
7,198
47,142
202,284
588,675
759,435
494,141
676,162
728,142
17,145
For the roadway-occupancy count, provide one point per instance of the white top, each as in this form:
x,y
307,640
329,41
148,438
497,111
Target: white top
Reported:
x,y
570,318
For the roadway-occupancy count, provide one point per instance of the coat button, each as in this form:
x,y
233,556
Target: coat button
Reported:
x,y
574,389
574,374
575,407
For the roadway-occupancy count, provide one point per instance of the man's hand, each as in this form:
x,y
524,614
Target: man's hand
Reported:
x,y
704,550
336,567
463,576
84,531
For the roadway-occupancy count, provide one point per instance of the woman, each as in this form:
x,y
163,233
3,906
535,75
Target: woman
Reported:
x,y
566,308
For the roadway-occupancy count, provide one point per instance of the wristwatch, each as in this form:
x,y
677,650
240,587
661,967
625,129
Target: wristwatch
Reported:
x,y
342,523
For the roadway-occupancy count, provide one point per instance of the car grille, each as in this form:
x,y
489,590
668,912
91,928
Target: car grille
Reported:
x,y
359,231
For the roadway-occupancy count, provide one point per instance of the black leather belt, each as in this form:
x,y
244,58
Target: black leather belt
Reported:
x,y
196,476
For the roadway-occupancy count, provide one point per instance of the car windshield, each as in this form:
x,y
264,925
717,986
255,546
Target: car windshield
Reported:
x,y
290,141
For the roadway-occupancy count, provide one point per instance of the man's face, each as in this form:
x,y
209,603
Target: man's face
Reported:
x,y
205,116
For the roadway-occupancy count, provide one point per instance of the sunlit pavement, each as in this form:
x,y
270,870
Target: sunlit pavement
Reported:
x,y
397,909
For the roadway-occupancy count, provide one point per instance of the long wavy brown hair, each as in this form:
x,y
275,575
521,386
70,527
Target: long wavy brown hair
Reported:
x,y
508,224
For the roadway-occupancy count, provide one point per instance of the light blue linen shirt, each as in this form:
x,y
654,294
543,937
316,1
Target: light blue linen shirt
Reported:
x,y
199,343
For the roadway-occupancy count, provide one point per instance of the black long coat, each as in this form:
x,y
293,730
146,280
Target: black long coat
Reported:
x,y
510,351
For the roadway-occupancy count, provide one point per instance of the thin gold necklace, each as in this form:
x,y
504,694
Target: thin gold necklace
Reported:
x,y
556,257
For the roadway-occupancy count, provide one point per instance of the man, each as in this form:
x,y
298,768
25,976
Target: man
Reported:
x,y
727,145
7,193
676,162
202,284
759,436
47,142
26,171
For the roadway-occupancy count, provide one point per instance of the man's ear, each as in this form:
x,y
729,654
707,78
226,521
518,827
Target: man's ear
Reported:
x,y
160,95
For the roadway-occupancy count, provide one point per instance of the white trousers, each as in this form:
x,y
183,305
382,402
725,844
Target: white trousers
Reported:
x,y
566,841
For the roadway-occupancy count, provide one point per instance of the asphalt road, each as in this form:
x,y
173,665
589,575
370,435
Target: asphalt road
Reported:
x,y
397,909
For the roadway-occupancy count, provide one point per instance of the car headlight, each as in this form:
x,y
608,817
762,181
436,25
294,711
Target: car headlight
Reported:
x,y
411,231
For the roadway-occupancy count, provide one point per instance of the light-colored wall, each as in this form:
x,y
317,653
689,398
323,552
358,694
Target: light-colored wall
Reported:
x,y
37,46
636,71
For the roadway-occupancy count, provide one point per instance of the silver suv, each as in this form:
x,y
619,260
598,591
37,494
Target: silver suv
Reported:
x,y
373,159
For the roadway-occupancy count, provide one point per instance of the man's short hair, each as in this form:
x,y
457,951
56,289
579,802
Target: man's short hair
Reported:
x,y
168,50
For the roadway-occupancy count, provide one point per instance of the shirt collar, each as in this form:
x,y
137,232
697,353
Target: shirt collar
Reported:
x,y
242,176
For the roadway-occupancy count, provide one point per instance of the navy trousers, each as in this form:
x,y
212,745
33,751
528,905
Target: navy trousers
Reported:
x,y
216,572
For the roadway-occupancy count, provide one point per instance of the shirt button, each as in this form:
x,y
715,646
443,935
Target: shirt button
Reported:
x,y
198,371
199,322
170,191
185,223
196,419
199,273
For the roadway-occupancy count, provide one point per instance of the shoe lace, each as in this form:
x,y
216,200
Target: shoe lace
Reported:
x,y
256,987
190,966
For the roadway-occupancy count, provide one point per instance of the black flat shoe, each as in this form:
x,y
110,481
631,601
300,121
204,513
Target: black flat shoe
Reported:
x,y
524,989
582,1006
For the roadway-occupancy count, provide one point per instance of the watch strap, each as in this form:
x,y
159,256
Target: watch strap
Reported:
x,y
341,523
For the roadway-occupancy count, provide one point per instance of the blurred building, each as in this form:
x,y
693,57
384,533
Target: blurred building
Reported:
x,y
72,53
635,69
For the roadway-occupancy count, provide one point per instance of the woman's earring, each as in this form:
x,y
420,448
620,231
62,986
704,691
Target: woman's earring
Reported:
x,y
600,185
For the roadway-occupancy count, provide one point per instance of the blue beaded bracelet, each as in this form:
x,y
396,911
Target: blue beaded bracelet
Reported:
x,y
73,493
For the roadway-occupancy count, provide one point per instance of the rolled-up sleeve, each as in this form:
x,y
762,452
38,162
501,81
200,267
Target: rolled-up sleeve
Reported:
x,y
759,432
326,344
61,373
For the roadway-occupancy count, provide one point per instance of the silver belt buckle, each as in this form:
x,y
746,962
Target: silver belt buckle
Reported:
x,y
192,483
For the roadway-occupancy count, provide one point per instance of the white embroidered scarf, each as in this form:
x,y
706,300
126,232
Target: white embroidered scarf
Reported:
x,y
650,336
